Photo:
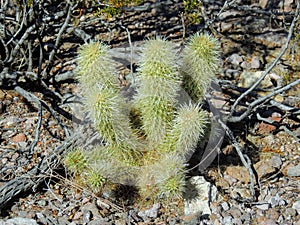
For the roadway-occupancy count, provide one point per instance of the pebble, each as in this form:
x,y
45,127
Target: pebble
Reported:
x,y
235,59
290,212
294,171
227,220
93,209
19,221
272,214
100,221
263,206
235,212
255,63
237,221
225,206
198,191
86,216
77,215
275,201
19,138
296,206
150,213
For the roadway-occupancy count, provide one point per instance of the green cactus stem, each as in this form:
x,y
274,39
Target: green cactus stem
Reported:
x,y
200,64
95,67
159,83
188,127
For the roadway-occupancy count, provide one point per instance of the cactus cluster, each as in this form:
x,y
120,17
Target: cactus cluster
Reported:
x,y
149,138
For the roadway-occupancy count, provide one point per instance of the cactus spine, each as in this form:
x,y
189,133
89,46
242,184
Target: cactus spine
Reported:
x,y
159,83
154,154
200,64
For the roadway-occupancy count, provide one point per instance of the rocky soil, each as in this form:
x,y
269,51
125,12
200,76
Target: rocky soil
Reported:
x,y
252,34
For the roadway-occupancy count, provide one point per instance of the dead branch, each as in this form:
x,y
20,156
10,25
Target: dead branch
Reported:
x,y
260,100
268,70
244,158
32,179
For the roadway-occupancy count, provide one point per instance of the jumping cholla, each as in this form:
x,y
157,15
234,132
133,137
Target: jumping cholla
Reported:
x,y
149,138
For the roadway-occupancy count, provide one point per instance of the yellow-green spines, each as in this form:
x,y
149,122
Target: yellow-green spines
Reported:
x,y
200,64
171,179
159,82
164,178
189,126
110,114
95,67
95,180
75,161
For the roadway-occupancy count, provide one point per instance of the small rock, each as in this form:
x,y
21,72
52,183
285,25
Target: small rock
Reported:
x,y
274,201
238,172
21,221
268,222
42,219
225,206
245,65
235,212
235,59
263,206
229,179
268,166
227,220
150,213
272,214
77,215
93,209
296,206
248,78
263,3
294,171
237,221
198,196
19,138
255,63
61,221
100,221
87,216
290,212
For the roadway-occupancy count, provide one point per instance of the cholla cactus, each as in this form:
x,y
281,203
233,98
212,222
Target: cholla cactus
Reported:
x,y
159,83
152,155
200,64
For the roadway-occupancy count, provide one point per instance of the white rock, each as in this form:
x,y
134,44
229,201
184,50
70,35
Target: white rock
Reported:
x,y
225,206
235,59
199,194
255,63
296,206
264,206
20,221
248,78
294,171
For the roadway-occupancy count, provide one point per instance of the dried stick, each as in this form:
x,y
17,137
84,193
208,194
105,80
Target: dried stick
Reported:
x,y
32,179
244,158
57,42
20,42
235,119
32,98
37,130
268,70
